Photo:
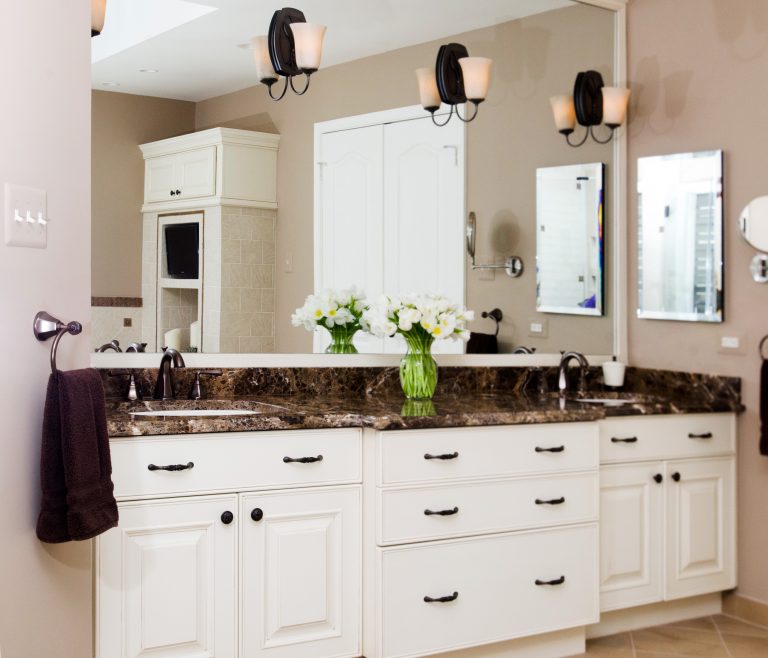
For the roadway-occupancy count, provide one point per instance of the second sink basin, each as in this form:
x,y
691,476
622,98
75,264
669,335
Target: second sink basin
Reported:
x,y
195,412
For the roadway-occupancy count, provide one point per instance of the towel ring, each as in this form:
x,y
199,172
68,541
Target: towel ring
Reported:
x,y
495,315
46,326
762,344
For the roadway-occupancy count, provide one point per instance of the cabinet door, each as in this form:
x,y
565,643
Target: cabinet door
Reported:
x,y
196,173
300,574
166,580
631,535
701,525
160,179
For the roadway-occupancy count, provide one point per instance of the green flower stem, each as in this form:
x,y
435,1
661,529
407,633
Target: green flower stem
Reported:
x,y
341,339
418,369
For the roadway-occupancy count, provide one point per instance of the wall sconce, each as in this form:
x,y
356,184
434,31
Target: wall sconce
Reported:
x,y
592,103
292,47
98,11
456,78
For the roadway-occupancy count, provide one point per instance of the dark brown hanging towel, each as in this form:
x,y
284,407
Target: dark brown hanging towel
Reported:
x,y
75,466
764,408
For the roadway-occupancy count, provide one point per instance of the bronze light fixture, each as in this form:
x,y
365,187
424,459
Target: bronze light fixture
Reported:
x,y
292,48
98,11
592,103
457,78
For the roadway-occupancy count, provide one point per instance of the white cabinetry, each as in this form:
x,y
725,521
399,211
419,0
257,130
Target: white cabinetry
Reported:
x,y
220,166
667,514
480,535
186,175
298,599
233,555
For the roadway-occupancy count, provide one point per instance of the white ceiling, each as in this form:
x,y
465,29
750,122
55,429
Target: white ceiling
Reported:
x,y
194,45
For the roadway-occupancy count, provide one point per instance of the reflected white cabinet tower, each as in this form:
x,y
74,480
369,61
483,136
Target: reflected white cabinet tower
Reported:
x,y
225,181
389,210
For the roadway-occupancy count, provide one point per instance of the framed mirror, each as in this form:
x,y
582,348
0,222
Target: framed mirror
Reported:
x,y
537,48
570,265
680,237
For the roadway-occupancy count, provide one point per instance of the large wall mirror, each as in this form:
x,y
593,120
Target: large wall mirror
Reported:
x,y
153,84
680,237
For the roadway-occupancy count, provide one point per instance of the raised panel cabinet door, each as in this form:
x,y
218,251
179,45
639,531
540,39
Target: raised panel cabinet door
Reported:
x,y
160,179
631,535
701,522
167,582
196,173
301,574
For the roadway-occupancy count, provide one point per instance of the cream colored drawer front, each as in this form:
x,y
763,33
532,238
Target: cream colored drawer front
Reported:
x,y
495,578
476,508
234,462
666,437
484,452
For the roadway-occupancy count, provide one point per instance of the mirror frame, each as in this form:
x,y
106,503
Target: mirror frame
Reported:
x,y
616,183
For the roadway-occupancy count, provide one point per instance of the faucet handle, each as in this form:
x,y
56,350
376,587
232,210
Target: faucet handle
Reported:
x,y
196,392
133,390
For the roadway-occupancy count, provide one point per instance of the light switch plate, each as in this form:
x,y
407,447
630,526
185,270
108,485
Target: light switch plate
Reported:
x,y
732,343
538,327
31,205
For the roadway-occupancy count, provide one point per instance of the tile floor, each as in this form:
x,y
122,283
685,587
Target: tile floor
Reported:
x,y
708,637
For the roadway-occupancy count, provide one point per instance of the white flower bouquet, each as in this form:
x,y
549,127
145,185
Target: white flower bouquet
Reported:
x,y
420,319
338,311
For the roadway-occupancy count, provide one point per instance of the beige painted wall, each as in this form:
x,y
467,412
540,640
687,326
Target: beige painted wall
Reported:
x,y
514,134
120,122
45,590
697,71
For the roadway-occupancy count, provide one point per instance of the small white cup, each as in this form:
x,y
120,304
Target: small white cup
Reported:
x,y
613,373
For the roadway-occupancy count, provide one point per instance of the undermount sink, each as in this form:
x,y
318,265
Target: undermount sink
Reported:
x,y
609,402
201,409
610,399
196,412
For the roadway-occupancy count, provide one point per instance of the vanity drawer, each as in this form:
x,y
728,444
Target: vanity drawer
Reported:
x,y
485,507
412,456
495,578
234,461
666,437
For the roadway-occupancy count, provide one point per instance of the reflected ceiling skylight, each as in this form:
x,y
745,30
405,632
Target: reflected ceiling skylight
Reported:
x,y
131,22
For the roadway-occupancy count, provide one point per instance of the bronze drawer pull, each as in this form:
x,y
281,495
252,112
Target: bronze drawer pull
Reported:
x,y
302,460
442,512
705,435
450,455
172,467
442,599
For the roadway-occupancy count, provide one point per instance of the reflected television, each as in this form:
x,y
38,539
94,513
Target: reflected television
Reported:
x,y
182,255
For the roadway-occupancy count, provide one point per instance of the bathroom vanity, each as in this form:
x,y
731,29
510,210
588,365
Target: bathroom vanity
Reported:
x,y
331,527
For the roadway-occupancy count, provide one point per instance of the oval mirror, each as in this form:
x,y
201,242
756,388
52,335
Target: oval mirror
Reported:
x,y
754,223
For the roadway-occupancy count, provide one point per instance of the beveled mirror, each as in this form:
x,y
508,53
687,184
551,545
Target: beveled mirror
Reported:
x,y
680,237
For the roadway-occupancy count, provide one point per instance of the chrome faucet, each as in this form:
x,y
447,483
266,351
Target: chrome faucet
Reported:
x,y
164,385
562,381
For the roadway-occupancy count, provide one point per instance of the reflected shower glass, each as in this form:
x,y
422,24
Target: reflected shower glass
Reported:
x,y
569,239
680,237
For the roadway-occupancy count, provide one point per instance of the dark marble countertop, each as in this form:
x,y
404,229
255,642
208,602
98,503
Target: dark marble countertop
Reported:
x,y
391,412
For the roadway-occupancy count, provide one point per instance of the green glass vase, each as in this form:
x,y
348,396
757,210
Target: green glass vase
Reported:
x,y
341,340
418,368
